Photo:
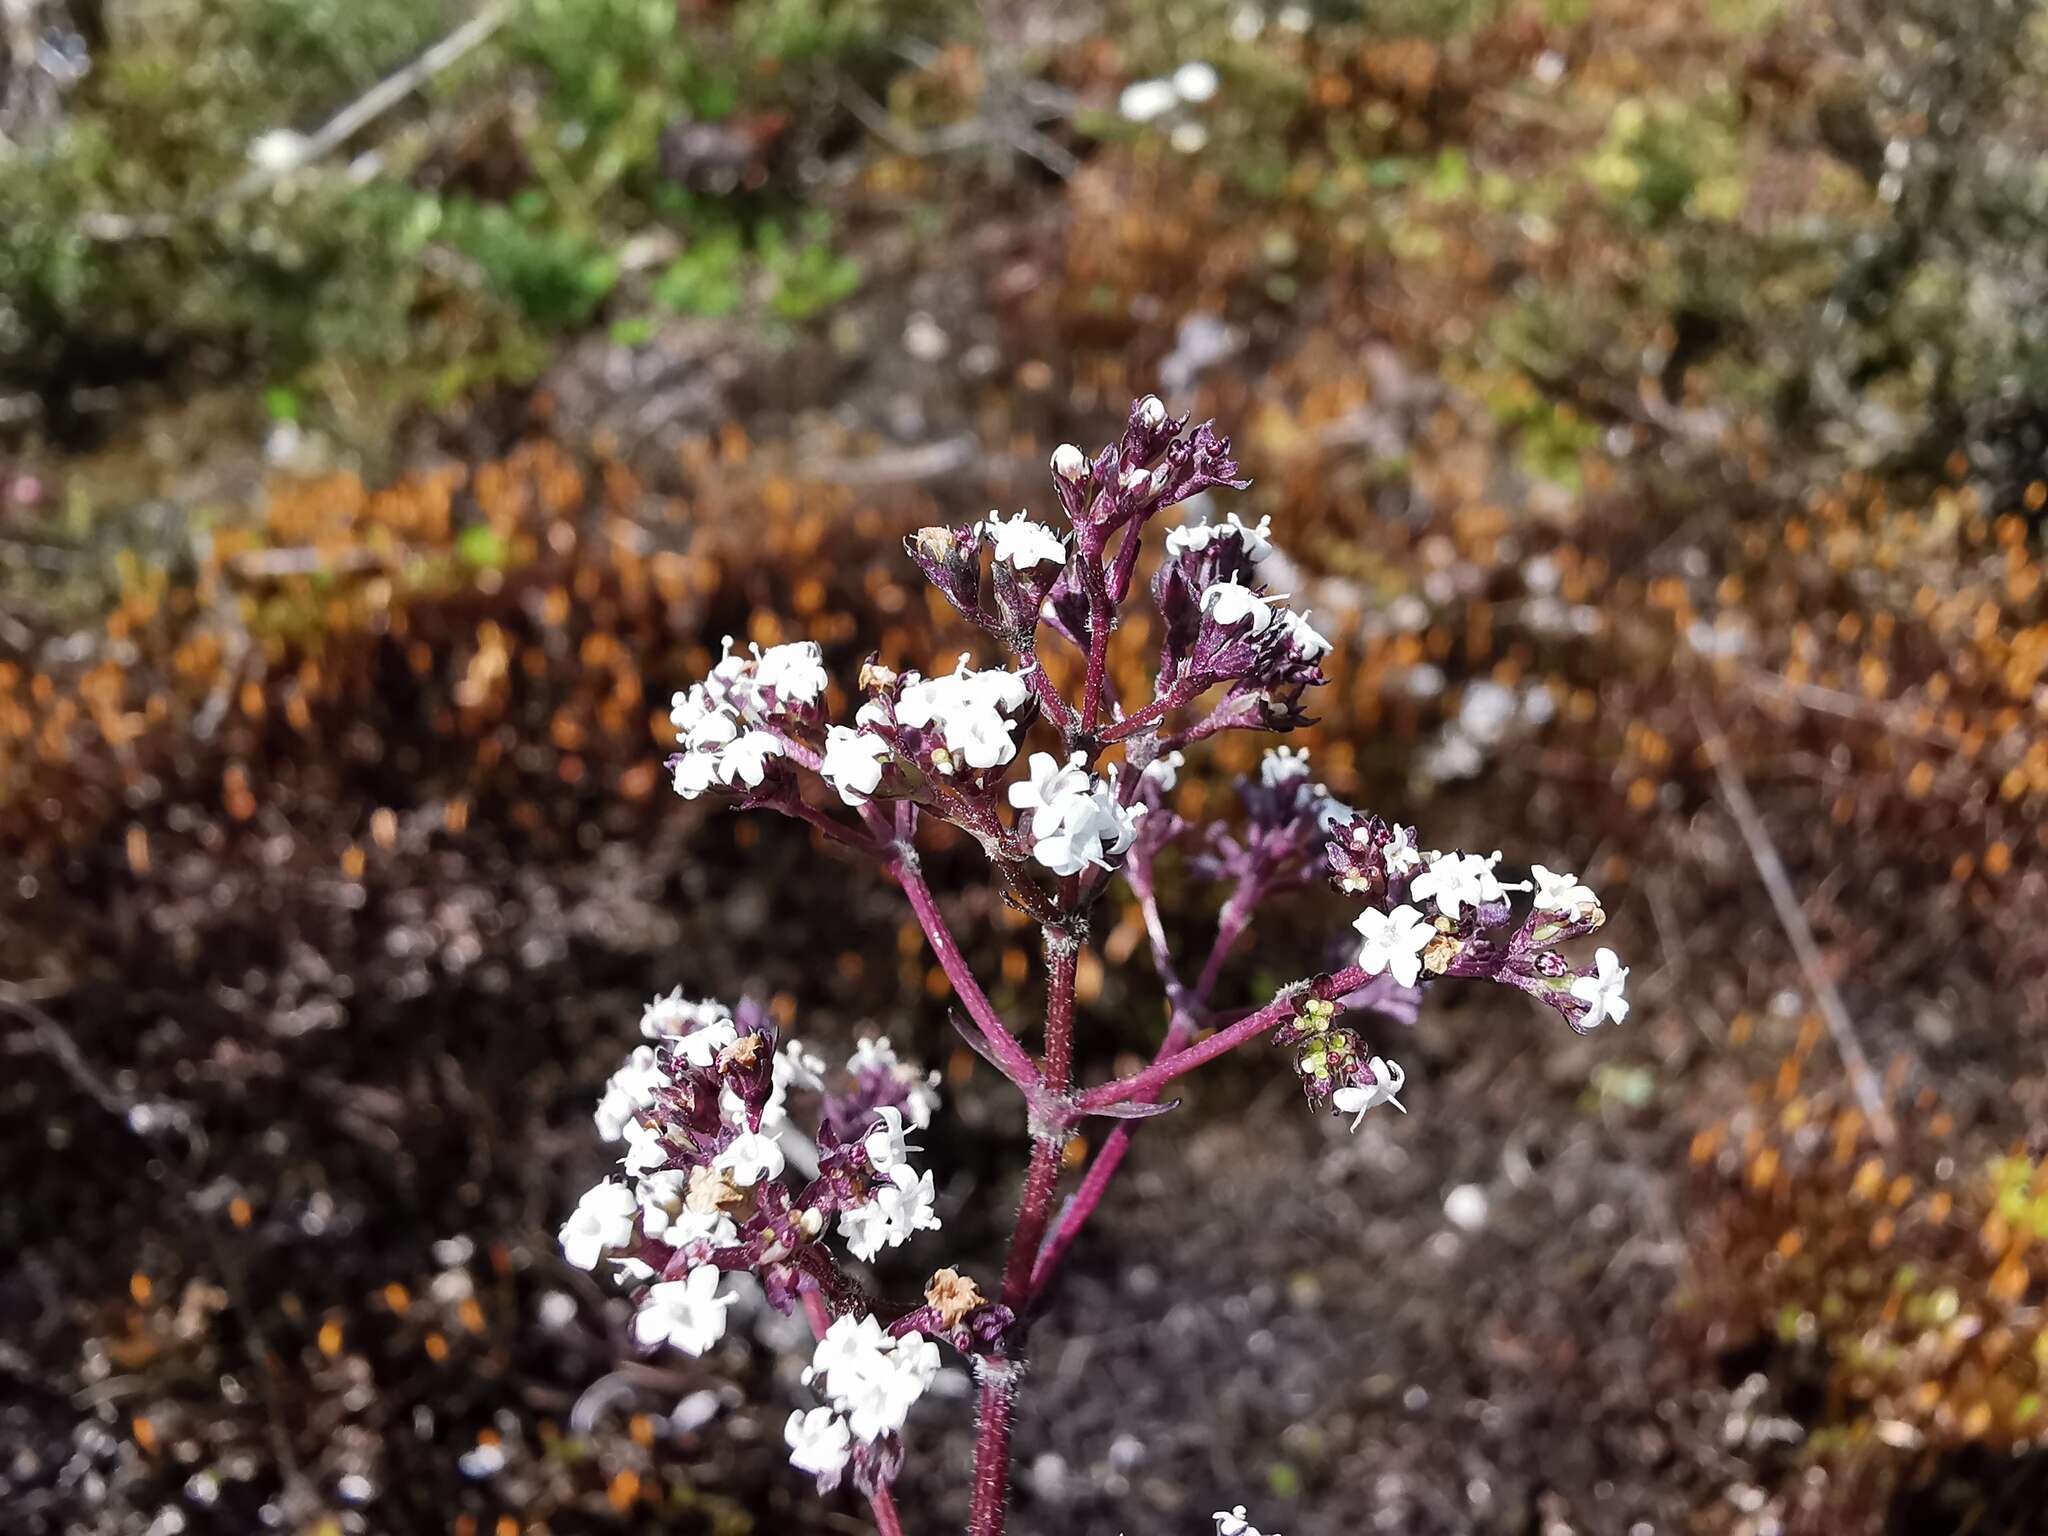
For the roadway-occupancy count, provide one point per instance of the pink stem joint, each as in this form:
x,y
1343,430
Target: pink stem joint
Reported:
x,y
719,1112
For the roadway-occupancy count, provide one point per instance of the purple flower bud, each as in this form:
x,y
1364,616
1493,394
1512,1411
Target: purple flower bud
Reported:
x,y
951,561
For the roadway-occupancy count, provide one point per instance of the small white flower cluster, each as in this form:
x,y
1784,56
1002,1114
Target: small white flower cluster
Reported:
x,y
897,1210
1145,101
1075,819
719,722
920,1089
1231,602
969,710
1392,943
1196,537
1022,543
871,1381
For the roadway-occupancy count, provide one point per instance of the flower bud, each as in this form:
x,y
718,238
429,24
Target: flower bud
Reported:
x,y
1151,412
1069,462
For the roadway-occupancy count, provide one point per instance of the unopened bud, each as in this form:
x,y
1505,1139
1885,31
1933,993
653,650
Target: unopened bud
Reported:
x,y
1069,462
1152,411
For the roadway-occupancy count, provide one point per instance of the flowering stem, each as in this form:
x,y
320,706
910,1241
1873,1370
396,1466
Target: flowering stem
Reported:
x,y
1186,1013
884,1503
1035,1209
1008,1054
1224,1041
1101,618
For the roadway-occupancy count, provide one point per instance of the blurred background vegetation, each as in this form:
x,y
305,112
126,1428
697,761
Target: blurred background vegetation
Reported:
x,y
399,399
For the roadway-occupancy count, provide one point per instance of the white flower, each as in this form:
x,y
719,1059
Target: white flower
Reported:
x,y
819,1443
1601,991
1194,81
751,1158
1232,1522
694,772
745,761
645,1150
1143,100
1401,855
967,709
1077,821
1312,645
1282,766
1229,603
795,671
631,1089
1165,771
1393,942
1459,880
671,1014
700,1047
853,762
687,1313
1069,462
1557,891
603,1220
1197,537
897,1212
1387,1078
712,731
664,1213
1045,793
886,1145
798,1067
1022,542
870,1377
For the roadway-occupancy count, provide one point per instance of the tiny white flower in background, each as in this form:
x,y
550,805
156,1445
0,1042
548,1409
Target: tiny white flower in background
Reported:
x,y
1189,138
819,1442
1152,411
1393,942
1022,543
1459,880
1283,765
688,1313
1143,100
603,1220
1557,891
799,1067
671,1014
1165,770
1069,462
751,1158
875,1053
1387,1078
853,762
1602,991
1229,603
1194,82
745,761
795,671
886,1145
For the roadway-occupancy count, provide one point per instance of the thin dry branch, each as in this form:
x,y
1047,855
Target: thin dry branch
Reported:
x,y
1863,1081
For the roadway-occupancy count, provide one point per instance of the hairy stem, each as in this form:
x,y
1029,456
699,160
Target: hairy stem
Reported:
x,y
884,1504
998,1397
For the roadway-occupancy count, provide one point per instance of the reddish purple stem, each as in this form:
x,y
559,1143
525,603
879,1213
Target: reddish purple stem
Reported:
x,y
1008,1054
